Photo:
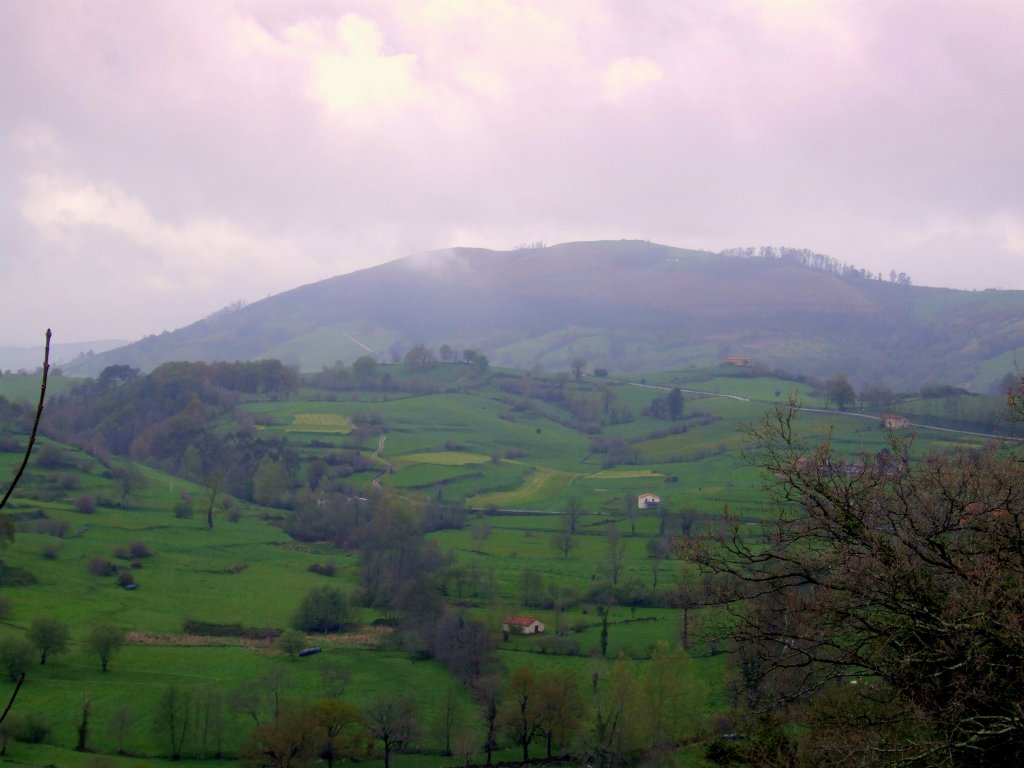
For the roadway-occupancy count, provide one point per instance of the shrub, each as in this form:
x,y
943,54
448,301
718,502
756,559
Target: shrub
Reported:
x,y
105,641
100,566
51,551
210,629
326,569
125,579
139,549
16,656
291,642
29,728
85,504
323,609
5,607
69,480
51,457
183,509
121,553
57,528
12,576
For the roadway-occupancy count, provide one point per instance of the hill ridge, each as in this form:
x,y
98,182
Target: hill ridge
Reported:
x,y
623,305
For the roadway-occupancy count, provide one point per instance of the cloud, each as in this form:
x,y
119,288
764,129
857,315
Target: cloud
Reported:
x,y
242,147
195,254
349,70
628,75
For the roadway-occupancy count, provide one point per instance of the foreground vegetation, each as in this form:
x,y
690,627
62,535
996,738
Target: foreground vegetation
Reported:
x,y
222,518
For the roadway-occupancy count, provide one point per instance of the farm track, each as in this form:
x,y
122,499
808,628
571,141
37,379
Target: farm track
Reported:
x,y
389,467
850,414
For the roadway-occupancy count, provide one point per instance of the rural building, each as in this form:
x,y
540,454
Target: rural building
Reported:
x,y
738,360
522,625
895,421
648,501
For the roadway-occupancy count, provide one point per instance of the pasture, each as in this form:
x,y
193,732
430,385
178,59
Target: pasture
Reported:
x,y
515,466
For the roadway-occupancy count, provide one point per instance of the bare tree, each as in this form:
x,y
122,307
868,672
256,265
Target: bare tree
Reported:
x,y
129,480
578,364
908,572
213,483
574,510
631,512
658,550
522,715
616,553
172,719
119,725
563,542
391,720
489,692
7,531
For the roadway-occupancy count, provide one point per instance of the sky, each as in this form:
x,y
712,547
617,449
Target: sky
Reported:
x,y
164,159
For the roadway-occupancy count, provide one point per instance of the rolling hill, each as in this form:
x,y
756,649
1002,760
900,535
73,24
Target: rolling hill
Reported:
x,y
621,305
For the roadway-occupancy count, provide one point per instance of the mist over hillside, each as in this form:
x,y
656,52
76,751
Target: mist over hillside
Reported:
x,y
621,305
15,358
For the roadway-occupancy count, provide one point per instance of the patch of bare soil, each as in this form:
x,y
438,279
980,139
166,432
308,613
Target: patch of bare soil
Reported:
x,y
365,635
153,638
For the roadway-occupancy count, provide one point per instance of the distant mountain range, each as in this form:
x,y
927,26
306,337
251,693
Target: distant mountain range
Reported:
x,y
622,305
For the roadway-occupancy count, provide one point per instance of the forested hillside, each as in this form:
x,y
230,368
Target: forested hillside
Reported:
x,y
623,306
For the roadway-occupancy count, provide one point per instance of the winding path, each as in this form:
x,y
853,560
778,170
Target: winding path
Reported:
x,y
388,466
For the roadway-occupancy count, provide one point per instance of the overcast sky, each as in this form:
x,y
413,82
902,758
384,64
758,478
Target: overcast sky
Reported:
x,y
164,159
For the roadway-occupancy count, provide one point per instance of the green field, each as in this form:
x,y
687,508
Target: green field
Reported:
x,y
514,463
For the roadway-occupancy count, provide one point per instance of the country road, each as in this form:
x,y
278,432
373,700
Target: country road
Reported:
x,y
829,412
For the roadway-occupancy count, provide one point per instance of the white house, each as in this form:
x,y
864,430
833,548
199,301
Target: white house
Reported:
x,y
648,501
523,625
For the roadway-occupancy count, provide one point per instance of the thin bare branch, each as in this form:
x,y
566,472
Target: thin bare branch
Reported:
x,y
35,423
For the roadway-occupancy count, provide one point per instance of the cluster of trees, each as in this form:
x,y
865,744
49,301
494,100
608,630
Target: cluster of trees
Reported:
x,y
589,405
668,406
48,637
881,608
166,420
819,261
367,373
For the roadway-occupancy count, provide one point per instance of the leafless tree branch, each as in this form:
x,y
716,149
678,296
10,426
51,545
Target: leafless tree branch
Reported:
x,y
35,423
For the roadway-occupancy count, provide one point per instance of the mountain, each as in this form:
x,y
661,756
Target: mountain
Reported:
x,y
622,305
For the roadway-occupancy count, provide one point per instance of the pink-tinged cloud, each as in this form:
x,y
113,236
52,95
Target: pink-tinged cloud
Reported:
x,y
175,156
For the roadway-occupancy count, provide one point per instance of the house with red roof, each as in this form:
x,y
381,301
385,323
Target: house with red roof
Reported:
x,y
522,625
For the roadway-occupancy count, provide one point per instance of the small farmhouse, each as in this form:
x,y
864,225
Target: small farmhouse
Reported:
x,y
648,501
895,421
522,625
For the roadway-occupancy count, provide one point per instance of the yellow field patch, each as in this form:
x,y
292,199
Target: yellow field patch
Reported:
x,y
320,422
623,474
542,483
444,458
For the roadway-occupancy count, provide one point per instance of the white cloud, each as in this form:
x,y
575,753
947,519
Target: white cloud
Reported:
x,y
628,75
349,70
241,147
196,254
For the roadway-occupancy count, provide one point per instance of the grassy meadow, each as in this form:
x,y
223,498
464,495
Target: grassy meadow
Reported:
x,y
517,466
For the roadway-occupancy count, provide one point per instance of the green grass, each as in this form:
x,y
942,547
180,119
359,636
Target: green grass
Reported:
x,y
250,572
